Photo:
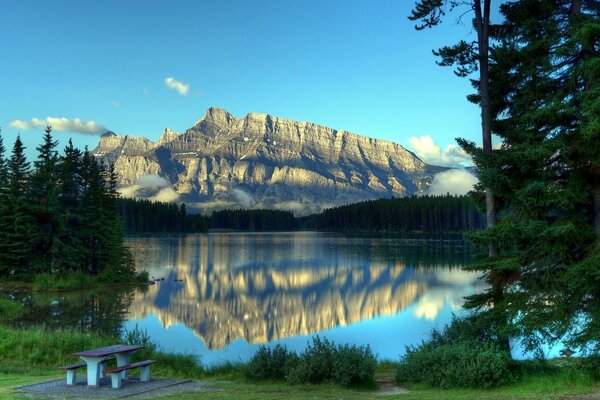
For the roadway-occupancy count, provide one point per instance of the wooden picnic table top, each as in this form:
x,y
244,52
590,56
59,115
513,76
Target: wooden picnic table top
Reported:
x,y
106,351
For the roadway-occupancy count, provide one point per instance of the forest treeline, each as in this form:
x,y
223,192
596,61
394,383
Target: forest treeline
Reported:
x,y
145,216
407,214
59,215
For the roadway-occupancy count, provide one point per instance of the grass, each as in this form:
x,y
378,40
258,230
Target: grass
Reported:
x,y
29,356
9,309
79,280
532,388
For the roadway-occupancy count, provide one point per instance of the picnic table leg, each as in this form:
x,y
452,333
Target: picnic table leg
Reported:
x,y
123,359
93,370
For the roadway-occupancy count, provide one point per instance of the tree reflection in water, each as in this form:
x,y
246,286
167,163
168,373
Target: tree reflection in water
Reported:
x,y
100,310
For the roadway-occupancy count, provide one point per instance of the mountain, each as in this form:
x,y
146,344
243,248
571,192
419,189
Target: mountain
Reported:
x,y
262,161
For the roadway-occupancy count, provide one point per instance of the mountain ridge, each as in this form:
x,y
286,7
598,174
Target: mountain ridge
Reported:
x,y
264,161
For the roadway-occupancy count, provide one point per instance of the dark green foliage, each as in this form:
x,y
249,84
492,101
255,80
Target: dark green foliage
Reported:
x,y
140,216
253,220
44,199
407,214
271,364
455,365
316,363
545,85
321,362
17,224
4,209
60,218
354,366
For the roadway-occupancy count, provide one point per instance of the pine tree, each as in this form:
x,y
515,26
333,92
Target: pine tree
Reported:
x,y
4,211
70,251
19,225
545,84
468,57
44,196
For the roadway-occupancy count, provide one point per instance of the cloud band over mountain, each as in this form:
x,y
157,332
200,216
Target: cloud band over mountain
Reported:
x,y
60,124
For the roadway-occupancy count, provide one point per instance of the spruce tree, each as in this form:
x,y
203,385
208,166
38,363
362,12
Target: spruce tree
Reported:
x,y
4,210
545,80
44,195
70,252
468,57
19,225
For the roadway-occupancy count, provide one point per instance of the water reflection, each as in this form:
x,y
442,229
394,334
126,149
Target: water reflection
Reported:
x,y
102,311
265,287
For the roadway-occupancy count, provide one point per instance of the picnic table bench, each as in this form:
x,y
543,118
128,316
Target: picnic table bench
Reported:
x,y
116,377
72,370
96,359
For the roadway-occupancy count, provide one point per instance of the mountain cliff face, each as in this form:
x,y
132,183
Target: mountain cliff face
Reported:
x,y
261,161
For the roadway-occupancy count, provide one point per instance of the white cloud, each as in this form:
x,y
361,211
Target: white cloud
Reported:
x,y
115,103
431,153
181,87
19,124
151,181
146,182
454,181
245,199
60,124
166,195
129,191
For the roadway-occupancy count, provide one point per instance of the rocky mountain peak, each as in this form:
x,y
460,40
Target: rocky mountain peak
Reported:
x,y
217,115
167,136
262,161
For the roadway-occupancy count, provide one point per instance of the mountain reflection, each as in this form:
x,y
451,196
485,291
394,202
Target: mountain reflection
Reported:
x,y
264,287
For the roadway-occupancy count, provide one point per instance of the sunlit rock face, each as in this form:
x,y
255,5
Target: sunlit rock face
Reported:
x,y
223,292
262,161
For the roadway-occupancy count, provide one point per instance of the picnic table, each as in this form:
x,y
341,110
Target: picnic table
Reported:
x,y
93,358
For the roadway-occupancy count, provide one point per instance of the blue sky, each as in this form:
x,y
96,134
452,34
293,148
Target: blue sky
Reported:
x,y
348,64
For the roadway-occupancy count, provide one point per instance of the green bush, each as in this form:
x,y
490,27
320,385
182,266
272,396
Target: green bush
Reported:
x,y
139,337
464,364
315,364
269,363
184,365
353,366
320,362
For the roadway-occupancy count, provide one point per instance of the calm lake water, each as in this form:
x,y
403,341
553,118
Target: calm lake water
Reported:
x,y
221,295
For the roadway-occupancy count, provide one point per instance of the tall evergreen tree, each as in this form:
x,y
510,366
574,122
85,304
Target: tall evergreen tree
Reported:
x,y
44,196
19,228
70,251
546,91
4,210
468,57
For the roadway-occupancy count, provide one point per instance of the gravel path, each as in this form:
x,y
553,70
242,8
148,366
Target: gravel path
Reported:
x,y
132,389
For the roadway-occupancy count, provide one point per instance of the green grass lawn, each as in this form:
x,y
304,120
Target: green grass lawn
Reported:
x,y
533,387
33,355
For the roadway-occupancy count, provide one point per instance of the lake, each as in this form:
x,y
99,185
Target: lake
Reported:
x,y
221,295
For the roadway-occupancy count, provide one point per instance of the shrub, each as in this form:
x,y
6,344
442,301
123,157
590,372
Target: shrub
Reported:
x,y
315,364
353,366
320,362
169,364
269,363
459,364
139,337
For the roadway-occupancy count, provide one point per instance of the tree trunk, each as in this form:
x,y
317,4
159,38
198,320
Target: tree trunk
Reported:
x,y
482,24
